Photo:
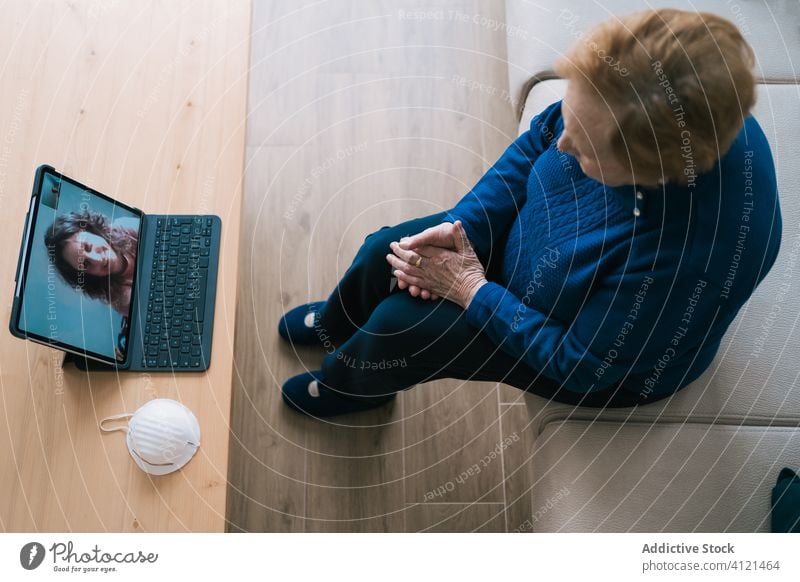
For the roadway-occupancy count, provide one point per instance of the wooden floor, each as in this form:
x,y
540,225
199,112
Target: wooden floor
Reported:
x,y
363,114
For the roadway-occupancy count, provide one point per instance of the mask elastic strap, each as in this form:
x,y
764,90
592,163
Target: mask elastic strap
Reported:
x,y
115,417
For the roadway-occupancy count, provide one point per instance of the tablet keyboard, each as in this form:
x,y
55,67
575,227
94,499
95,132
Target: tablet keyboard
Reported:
x,y
176,300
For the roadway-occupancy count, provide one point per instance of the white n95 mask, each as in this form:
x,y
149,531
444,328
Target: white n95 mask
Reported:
x,y
163,435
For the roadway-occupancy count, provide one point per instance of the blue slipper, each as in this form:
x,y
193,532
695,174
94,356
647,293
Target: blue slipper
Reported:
x,y
300,326
307,394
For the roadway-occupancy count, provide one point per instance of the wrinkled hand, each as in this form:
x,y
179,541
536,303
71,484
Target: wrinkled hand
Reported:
x,y
442,235
455,274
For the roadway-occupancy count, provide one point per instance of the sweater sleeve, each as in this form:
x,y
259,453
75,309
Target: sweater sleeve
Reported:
x,y
626,326
488,210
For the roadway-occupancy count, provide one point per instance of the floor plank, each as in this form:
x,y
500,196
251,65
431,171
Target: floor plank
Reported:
x,y
355,472
451,430
455,517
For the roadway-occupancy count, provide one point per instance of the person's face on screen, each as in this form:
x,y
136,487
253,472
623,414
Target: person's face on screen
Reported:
x,y
91,254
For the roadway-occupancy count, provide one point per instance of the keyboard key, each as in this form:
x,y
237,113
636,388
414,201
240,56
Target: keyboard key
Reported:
x,y
201,305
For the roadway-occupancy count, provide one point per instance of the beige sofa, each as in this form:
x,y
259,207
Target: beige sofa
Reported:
x,y
706,459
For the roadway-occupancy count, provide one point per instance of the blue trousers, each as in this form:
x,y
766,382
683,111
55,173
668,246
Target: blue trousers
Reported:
x,y
380,340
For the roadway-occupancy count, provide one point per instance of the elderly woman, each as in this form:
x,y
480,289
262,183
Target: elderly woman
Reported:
x,y
598,262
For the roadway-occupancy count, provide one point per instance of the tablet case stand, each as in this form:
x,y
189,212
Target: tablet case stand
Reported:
x,y
89,365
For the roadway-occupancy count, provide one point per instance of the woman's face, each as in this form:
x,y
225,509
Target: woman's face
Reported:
x,y
587,123
89,253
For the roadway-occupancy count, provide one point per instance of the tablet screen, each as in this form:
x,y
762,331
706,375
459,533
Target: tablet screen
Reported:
x,y
79,281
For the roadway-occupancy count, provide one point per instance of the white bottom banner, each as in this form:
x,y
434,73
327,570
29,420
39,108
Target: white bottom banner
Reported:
x,y
351,557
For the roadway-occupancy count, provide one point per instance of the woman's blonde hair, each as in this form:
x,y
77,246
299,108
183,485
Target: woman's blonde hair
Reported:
x,y
679,85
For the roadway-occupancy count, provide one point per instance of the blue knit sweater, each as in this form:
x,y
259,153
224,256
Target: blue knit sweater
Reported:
x,y
591,292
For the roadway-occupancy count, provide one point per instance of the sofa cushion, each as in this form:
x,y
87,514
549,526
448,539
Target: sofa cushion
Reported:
x,y
754,376
663,477
539,32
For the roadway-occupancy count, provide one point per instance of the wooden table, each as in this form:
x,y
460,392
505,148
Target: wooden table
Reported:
x,y
144,101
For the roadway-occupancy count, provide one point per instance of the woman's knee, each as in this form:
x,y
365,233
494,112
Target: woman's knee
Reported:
x,y
376,244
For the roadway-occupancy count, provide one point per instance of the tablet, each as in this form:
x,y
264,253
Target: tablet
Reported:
x,y
77,269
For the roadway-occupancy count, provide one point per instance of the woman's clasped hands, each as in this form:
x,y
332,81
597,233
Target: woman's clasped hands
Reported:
x,y
438,262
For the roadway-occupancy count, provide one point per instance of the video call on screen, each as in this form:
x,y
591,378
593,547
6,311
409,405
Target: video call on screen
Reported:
x,y
79,281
